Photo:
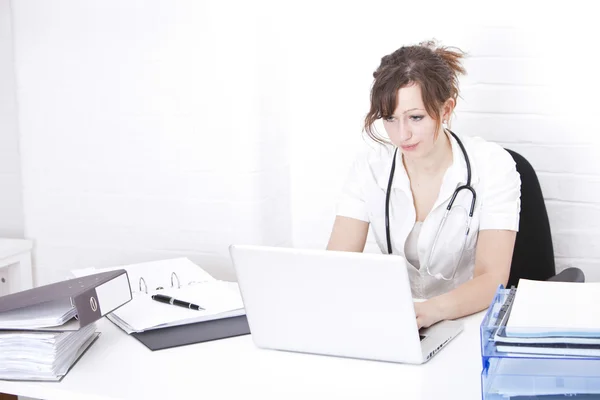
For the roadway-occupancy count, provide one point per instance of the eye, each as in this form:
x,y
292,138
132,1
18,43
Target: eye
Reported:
x,y
389,119
416,118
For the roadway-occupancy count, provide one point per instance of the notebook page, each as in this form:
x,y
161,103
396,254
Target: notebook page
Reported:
x,y
218,299
565,308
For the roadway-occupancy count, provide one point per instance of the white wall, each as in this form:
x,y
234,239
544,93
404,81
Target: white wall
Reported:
x,y
11,204
532,87
148,132
132,114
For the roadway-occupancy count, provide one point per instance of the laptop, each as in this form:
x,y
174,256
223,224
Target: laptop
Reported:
x,y
335,303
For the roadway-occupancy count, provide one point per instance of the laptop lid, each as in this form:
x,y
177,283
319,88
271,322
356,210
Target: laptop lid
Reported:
x,y
328,302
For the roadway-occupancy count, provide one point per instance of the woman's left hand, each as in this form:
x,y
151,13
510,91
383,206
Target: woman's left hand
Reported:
x,y
428,313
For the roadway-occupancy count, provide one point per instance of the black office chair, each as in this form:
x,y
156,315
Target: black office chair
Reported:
x,y
533,256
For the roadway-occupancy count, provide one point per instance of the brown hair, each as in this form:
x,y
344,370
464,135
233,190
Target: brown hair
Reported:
x,y
434,68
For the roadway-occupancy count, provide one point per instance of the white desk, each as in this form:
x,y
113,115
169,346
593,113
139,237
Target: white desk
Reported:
x,y
119,367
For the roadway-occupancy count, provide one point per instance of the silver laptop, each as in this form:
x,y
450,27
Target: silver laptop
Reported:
x,y
334,303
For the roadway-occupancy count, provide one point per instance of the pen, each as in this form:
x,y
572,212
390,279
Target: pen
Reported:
x,y
170,300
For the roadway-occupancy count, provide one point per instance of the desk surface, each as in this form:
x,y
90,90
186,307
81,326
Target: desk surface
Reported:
x,y
119,367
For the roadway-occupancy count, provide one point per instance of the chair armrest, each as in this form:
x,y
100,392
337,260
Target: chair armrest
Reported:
x,y
569,275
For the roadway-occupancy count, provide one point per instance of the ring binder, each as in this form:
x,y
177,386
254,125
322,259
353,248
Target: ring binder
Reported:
x,y
44,330
59,302
146,318
173,275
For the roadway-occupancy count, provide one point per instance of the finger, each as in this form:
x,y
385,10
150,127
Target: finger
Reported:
x,y
419,322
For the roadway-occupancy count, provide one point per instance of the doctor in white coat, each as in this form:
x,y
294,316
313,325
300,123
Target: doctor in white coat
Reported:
x,y
456,257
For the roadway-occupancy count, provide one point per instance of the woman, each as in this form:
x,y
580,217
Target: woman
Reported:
x,y
457,269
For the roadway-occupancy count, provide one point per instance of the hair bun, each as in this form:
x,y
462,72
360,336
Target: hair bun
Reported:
x,y
450,55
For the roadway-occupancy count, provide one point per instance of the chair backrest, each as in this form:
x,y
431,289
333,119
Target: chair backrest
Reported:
x,y
533,256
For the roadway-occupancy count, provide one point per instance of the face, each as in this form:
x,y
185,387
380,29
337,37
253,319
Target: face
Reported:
x,y
410,127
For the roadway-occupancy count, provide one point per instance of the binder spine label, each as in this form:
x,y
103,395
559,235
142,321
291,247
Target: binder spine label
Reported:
x,y
88,307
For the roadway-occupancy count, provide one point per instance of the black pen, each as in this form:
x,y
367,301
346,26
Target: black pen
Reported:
x,y
170,300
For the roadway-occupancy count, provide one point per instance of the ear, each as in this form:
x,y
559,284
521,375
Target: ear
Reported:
x,y
447,109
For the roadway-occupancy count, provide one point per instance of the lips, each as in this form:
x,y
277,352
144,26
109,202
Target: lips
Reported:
x,y
409,147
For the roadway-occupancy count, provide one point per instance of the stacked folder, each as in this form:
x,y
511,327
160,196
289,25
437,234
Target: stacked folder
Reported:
x,y
45,330
542,339
551,318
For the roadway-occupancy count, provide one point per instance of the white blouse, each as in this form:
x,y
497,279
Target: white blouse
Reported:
x,y
411,245
493,176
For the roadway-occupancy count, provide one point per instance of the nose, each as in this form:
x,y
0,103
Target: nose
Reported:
x,y
403,130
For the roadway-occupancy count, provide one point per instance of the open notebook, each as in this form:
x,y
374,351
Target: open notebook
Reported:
x,y
179,278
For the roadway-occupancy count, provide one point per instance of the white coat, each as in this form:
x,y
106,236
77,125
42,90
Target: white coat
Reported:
x,y
493,176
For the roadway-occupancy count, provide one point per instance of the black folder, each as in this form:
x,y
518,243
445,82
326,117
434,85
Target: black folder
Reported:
x,y
174,336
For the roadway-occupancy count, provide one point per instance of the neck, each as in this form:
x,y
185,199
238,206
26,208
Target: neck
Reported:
x,y
439,159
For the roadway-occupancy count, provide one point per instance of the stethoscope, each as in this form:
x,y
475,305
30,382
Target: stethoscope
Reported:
x,y
467,186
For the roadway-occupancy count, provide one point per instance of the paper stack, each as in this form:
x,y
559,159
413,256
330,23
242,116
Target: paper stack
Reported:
x,y
552,318
542,340
43,315
44,330
42,355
